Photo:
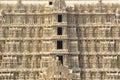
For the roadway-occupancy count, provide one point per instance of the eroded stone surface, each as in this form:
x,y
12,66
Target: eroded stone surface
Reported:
x,y
57,41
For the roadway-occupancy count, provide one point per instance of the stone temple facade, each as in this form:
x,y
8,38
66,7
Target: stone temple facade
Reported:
x,y
57,41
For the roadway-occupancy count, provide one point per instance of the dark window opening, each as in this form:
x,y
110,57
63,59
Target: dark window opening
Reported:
x,y
50,3
59,31
60,58
59,44
59,18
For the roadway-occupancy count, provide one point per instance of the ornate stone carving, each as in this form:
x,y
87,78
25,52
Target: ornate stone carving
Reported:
x,y
29,42
19,7
59,4
76,7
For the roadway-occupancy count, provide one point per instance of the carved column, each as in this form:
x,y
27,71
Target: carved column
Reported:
x,y
66,60
88,19
36,31
27,32
33,65
40,32
84,44
95,61
93,46
3,45
85,62
25,46
11,46
31,20
34,46
65,45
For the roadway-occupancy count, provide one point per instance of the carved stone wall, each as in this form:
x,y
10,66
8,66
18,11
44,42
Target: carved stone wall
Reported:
x,y
87,48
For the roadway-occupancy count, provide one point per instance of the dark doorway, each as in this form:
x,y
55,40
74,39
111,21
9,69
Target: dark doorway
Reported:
x,y
60,58
59,45
59,31
59,18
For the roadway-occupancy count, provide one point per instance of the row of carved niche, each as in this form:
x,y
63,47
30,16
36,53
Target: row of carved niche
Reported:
x,y
21,31
21,46
94,7
30,8
28,19
77,7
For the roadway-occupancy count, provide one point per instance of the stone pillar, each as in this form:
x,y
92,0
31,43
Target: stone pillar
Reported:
x,y
74,20
36,31
25,46
34,46
85,62
66,60
88,20
33,65
82,32
84,46
116,32
65,45
40,32
23,61
4,49
27,32
8,62
99,19
95,61
93,46
64,30
11,46
31,20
